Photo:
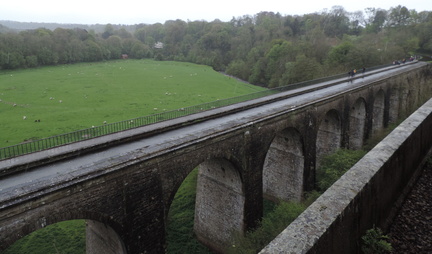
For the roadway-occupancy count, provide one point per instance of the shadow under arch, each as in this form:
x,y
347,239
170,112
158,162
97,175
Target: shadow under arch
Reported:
x,y
100,235
329,135
283,170
357,124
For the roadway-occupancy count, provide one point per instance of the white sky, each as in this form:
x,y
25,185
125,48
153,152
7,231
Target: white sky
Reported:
x,y
150,12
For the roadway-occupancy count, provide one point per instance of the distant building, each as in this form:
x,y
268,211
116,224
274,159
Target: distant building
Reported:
x,y
124,56
158,45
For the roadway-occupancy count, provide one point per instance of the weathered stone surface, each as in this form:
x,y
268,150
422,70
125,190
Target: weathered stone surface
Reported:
x,y
365,196
129,187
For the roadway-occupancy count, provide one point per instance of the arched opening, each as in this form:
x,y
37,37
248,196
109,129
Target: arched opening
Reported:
x,y
284,167
378,112
208,207
71,236
357,124
328,136
180,235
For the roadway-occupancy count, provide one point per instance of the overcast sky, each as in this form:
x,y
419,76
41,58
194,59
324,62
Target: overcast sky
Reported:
x,y
150,12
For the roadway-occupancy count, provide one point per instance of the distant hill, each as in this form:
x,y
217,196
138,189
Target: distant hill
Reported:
x,y
4,29
8,26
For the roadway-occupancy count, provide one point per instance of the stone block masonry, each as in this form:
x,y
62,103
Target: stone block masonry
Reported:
x,y
365,196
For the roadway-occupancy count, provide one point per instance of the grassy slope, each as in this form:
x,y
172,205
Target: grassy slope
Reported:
x,y
92,93
63,237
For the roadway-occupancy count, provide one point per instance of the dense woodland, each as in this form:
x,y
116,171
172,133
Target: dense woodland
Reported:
x,y
266,49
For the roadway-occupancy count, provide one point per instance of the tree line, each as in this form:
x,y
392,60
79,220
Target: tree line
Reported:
x,y
267,48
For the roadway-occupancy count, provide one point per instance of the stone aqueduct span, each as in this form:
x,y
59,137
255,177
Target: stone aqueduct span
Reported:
x,y
124,189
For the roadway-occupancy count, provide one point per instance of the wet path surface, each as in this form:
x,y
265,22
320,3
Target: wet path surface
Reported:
x,y
57,173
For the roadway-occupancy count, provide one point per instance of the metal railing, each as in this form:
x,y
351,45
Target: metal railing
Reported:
x,y
80,135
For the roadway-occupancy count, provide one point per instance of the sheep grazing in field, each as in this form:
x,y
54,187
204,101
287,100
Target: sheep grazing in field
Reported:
x,y
51,98
104,122
60,101
155,108
37,121
14,105
24,117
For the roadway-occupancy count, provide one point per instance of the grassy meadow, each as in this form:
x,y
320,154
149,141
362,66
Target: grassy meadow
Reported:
x,y
71,97
66,98
63,237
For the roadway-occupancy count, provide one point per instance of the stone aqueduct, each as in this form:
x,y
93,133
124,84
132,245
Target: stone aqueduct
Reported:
x,y
126,199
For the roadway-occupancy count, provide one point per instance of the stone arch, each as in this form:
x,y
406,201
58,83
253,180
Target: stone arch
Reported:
x,y
284,167
357,124
219,204
329,135
378,111
100,236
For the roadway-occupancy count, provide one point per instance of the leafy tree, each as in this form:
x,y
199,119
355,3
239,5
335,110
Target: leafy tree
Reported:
x,y
335,23
398,16
304,68
47,56
93,52
11,60
114,45
377,20
339,56
31,61
239,69
424,36
140,50
316,44
356,21
123,33
257,76
268,25
109,30
141,34
76,51
247,46
279,54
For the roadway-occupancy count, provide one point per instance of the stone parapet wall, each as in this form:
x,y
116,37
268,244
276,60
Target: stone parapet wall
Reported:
x,y
365,196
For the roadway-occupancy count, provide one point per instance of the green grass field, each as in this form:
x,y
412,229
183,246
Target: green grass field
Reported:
x,y
62,237
72,97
